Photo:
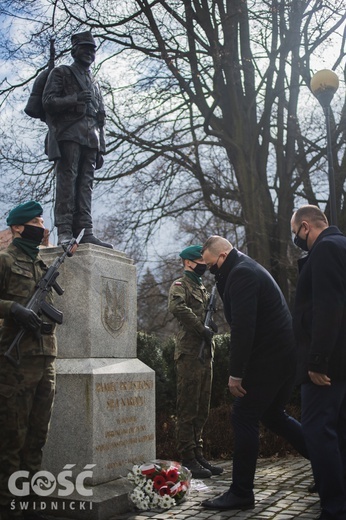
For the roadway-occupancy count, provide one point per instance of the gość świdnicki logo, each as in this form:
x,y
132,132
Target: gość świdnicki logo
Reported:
x,y
44,483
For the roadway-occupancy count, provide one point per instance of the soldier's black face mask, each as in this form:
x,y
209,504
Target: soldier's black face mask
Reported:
x,y
199,269
33,233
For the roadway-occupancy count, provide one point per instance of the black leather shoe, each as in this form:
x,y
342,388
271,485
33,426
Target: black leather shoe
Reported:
x,y
229,501
196,469
324,516
215,470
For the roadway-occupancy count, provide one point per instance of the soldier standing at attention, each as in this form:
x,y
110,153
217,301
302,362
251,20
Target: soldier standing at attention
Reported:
x,y
73,103
188,299
26,391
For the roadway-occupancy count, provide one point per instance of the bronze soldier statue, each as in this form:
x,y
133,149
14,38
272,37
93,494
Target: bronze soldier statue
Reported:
x,y
75,116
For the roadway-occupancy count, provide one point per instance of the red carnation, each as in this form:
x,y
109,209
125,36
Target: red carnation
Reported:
x,y
159,481
172,475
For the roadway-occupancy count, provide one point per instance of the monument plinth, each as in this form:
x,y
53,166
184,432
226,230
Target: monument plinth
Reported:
x,y
104,410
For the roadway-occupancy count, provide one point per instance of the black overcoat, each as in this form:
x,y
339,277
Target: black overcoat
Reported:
x,y
320,308
262,346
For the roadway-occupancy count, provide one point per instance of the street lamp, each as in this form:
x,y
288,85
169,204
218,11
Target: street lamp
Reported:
x,y
323,85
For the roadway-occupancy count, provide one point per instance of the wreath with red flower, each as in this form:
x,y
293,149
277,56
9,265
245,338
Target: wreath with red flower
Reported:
x,y
159,484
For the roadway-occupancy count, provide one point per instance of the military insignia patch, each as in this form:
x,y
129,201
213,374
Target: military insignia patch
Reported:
x,y
114,304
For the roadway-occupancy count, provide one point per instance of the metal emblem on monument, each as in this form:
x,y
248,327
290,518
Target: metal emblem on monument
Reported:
x,y
114,304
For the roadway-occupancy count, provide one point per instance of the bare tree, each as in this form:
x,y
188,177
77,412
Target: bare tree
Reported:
x,y
207,109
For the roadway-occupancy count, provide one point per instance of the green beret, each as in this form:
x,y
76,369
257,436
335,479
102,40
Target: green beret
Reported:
x,y
24,213
192,253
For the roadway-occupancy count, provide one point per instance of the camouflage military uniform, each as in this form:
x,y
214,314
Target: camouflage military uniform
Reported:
x,y
26,393
188,302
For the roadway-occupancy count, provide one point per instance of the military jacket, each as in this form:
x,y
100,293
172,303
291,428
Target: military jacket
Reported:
x,y
19,275
69,119
188,303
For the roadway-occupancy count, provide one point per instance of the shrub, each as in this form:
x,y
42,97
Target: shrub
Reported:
x,y
159,357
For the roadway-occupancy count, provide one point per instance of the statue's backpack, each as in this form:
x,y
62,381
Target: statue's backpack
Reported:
x,y
34,107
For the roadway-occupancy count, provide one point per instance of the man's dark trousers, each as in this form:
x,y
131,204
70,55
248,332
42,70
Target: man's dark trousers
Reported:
x,y
263,402
323,414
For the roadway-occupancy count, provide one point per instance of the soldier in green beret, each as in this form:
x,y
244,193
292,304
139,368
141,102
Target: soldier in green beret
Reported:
x,y
188,299
27,391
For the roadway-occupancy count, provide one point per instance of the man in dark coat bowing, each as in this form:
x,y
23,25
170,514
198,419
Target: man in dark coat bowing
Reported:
x,y
262,363
320,329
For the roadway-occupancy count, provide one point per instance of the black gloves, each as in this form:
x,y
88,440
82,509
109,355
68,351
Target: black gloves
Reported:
x,y
208,335
26,317
213,326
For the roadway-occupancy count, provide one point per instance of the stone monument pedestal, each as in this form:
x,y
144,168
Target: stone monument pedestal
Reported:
x,y
103,419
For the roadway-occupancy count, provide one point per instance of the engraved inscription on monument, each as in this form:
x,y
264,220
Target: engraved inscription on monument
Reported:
x,y
128,433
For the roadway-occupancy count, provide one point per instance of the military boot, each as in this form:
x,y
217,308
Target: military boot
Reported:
x,y
196,469
215,470
89,238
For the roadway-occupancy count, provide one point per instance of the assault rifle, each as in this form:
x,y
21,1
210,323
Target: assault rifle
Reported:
x,y
208,322
38,304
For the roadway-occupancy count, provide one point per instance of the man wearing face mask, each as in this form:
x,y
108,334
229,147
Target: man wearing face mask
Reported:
x,y
188,299
262,363
320,328
27,391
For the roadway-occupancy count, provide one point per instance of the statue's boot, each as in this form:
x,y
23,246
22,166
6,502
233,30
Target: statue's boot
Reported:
x,y
64,235
89,238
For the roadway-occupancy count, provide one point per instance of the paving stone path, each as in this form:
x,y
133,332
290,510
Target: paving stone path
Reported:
x,y
280,493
